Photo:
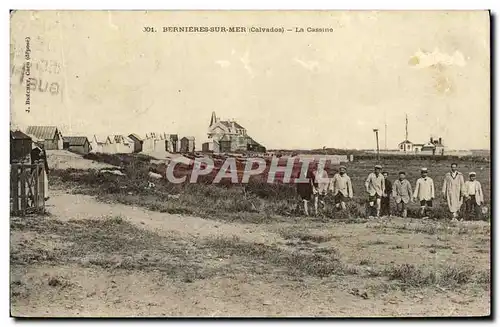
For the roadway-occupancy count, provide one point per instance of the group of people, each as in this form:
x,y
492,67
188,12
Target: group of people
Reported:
x,y
379,189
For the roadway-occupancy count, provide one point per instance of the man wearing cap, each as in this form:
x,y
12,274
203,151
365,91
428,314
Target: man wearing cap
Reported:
x,y
342,188
402,192
424,192
453,190
375,185
473,196
385,202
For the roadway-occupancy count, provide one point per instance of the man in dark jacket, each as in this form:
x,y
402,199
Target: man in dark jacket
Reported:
x,y
385,203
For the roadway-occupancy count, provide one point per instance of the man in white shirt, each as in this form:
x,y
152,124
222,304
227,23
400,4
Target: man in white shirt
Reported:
x,y
341,187
473,196
375,186
424,192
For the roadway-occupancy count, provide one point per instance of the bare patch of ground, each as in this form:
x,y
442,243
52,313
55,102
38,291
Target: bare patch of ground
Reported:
x,y
62,159
89,259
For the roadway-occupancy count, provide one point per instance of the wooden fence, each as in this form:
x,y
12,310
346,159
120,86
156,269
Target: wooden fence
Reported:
x,y
27,188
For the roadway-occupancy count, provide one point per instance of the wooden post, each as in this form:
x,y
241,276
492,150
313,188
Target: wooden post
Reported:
x,y
36,182
378,148
24,200
14,187
42,184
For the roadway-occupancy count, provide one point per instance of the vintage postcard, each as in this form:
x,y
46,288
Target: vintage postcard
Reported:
x,y
250,163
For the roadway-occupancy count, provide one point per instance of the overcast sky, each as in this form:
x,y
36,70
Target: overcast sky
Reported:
x,y
292,90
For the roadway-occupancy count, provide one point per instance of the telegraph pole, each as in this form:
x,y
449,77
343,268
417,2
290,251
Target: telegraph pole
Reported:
x,y
406,129
385,136
378,149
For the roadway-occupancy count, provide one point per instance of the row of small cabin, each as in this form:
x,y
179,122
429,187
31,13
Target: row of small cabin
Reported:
x,y
51,138
152,142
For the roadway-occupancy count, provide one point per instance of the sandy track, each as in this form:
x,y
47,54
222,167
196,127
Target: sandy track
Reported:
x,y
95,291
69,206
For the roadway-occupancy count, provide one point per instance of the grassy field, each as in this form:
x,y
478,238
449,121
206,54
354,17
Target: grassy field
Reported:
x,y
109,246
256,201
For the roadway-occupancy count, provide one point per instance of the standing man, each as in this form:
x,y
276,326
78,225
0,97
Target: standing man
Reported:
x,y
385,203
402,193
305,189
342,188
375,185
424,192
473,196
320,186
453,190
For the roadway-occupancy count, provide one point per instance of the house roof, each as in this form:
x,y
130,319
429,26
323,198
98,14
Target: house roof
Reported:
x,y
251,141
42,132
133,135
229,124
120,139
406,142
190,138
428,146
103,139
75,140
18,135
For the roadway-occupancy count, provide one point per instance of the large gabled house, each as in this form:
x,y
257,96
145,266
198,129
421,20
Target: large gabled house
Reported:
x,y
51,136
229,136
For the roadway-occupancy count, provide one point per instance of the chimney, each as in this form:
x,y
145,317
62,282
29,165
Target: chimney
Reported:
x,y
440,141
432,140
232,125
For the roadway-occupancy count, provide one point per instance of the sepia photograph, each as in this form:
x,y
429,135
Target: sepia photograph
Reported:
x,y
319,163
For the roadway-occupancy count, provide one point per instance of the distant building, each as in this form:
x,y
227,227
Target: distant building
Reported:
x,y
100,144
20,146
78,144
51,136
187,144
122,144
432,147
405,146
138,141
172,143
159,142
417,147
254,146
229,136
207,147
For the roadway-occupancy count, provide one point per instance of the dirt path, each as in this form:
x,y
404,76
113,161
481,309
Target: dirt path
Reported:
x,y
70,206
96,291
